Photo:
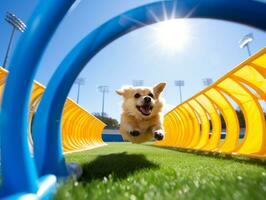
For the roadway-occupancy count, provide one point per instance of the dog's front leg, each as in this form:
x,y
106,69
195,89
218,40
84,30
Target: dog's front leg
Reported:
x,y
128,128
158,132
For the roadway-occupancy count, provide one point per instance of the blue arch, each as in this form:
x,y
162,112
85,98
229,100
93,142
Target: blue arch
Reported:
x,y
46,128
18,169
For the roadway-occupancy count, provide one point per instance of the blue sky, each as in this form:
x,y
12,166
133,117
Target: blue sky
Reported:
x,y
211,51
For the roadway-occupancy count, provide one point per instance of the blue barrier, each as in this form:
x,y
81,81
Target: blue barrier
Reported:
x,y
49,159
112,138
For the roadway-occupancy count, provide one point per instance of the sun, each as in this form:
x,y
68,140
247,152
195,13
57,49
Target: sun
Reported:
x,y
172,34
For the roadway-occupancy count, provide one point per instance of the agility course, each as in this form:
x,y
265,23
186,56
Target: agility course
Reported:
x,y
59,124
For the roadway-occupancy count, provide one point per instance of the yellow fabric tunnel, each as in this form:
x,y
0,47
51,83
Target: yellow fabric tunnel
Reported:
x,y
196,123
80,129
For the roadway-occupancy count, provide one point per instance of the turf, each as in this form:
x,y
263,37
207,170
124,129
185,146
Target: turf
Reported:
x,y
128,171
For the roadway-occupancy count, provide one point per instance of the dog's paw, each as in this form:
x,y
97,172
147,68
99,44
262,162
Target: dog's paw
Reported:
x,y
134,133
158,135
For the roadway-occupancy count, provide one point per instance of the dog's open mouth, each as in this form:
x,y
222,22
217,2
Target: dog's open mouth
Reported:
x,y
145,109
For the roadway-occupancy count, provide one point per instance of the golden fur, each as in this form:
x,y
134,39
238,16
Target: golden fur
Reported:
x,y
135,126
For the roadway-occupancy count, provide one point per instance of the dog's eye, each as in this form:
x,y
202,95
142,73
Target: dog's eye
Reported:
x,y
151,95
137,96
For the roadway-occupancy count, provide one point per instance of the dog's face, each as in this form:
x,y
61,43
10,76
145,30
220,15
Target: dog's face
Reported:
x,y
142,102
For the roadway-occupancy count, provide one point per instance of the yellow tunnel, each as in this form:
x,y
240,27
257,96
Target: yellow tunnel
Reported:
x,y
188,124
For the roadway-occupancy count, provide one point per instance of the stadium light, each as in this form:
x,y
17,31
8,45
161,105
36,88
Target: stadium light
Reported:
x,y
207,81
17,24
180,83
103,89
244,42
79,81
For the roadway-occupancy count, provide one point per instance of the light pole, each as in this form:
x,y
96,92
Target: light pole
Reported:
x,y
207,81
17,25
244,42
137,82
180,83
79,81
104,89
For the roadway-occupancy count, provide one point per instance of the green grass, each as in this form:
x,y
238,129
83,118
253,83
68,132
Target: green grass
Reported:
x,y
128,171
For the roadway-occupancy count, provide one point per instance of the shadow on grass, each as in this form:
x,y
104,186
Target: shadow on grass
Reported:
x,y
237,158
119,165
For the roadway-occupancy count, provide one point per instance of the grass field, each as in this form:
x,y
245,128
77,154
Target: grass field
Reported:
x,y
128,171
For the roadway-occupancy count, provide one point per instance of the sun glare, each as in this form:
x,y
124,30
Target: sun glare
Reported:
x,y
172,34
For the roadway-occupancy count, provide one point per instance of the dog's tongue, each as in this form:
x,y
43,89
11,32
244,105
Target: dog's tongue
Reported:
x,y
145,109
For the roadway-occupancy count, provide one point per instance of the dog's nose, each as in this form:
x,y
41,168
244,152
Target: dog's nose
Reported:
x,y
147,100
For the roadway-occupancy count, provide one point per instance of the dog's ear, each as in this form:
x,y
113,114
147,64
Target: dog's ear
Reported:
x,y
120,91
123,91
159,88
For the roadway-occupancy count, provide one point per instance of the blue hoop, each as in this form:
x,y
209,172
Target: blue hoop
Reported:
x,y
48,116
19,173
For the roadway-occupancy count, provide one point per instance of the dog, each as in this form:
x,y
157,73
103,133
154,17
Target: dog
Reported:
x,y
141,118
